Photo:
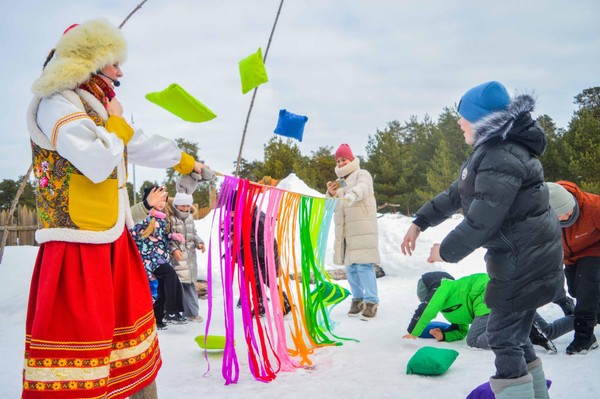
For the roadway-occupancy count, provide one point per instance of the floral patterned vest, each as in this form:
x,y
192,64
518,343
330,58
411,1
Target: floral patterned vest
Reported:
x,y
66,199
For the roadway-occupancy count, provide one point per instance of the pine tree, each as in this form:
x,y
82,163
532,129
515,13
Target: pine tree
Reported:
x,y
582,146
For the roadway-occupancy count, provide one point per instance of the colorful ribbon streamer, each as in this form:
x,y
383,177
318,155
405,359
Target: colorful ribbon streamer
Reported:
x,y
251,218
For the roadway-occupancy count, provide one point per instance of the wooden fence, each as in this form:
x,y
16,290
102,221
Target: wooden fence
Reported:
x,y
22,230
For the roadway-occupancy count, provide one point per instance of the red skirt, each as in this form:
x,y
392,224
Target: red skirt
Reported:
x,y
90,330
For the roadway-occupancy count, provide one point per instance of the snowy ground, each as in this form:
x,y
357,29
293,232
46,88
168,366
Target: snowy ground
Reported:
x,y
373,368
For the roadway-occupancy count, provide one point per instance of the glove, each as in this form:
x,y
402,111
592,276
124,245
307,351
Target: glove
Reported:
x,y
349,198
187,184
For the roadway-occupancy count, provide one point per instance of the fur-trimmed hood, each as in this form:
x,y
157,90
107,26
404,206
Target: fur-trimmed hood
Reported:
x,y
80,52
514,123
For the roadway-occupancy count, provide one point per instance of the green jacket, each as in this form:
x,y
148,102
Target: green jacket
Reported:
x,y
460,301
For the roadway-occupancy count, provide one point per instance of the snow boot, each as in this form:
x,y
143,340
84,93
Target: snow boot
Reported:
x,y
540,389
538,337
582,344
514,388
356,308
370,311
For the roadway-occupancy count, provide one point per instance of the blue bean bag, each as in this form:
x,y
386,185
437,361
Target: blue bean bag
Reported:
x,y
434,324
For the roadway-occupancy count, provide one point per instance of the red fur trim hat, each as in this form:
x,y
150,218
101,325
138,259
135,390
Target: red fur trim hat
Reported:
x,y
344,151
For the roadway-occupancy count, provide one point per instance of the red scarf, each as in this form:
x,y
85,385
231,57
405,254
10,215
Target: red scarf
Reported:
x,y
99,89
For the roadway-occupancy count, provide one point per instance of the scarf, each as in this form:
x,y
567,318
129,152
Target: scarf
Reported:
x,y
346,170
99,89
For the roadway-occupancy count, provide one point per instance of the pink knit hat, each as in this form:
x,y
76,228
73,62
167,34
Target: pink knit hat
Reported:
x,y
344,152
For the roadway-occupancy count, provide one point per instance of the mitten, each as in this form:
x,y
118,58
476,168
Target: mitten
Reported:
x,y
178,237
349,198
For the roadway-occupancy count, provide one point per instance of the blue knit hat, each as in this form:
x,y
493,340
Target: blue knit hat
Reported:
x,y
483,100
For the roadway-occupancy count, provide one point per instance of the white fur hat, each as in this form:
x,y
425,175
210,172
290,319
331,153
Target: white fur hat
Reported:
x,y
183,199
80,52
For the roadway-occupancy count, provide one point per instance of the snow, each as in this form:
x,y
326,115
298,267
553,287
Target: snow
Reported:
x,y
375,367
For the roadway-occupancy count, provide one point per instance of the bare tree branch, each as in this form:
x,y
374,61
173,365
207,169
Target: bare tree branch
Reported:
x,y
131,13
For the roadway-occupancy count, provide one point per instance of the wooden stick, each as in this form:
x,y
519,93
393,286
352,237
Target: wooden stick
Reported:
x,y
239,158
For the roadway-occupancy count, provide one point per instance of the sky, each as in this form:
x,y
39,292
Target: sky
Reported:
x,y
350,66
375,367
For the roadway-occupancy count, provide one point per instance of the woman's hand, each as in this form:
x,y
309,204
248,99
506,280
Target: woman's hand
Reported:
x,y
201,247
114,108
410,240
332,187
198,167
410,336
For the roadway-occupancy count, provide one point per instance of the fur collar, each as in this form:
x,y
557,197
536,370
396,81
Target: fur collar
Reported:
x,y
499,124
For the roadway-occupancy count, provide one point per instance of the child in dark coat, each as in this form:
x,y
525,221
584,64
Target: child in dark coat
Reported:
x,y
501,192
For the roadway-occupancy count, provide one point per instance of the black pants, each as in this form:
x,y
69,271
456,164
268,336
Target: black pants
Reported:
x,y
583,281
170,293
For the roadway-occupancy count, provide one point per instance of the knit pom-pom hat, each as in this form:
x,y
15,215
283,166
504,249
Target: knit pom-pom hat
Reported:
x,y
344,151
81,51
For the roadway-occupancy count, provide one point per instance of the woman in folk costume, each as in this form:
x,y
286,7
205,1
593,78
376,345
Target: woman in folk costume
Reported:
x,y
356,234
89,332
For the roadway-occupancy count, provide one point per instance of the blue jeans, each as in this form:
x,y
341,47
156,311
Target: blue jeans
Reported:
x,y
508,336
362,280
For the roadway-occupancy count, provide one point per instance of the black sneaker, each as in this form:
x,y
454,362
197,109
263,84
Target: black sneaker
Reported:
x,y
582,345
175,318
538,337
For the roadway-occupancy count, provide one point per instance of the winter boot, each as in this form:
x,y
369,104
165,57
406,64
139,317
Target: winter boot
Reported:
x,y
538,337
514,388
370,311
582,344
567,305
540,389
148,392
356,308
